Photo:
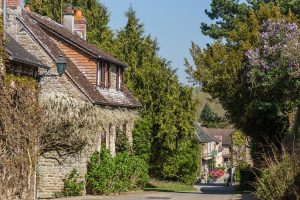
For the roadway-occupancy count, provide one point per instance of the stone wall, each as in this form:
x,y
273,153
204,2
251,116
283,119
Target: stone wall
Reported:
x,y
50,172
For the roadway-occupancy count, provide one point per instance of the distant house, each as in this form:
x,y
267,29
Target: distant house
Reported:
x,y
224,136
209,148
34,44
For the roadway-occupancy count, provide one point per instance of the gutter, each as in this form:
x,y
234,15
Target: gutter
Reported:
x,y
28,62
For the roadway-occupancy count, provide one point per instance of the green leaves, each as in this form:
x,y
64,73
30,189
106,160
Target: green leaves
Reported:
x,y
166,130
118,174
73,186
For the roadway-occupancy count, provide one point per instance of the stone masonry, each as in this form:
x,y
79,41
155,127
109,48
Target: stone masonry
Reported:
x,y
50,173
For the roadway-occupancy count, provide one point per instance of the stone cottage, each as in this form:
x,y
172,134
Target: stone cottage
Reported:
x,y
92,77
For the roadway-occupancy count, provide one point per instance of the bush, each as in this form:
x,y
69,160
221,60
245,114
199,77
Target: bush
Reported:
x,y
237,174
183,165
277,178
72,185
115,175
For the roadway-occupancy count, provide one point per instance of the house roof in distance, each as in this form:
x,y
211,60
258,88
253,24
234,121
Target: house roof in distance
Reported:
x,y
18,54
202,136
218,132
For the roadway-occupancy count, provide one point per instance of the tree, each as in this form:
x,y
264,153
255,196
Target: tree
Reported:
x,y
210,119
222,69
168,108
97,15
225,14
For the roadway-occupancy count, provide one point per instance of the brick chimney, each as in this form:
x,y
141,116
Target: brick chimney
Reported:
x,y
68,21
80,24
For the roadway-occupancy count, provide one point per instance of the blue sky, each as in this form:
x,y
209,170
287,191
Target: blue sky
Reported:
x,y
174,23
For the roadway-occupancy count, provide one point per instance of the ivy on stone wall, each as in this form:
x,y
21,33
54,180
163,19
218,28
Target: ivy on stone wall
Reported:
x,y
20,115
70,124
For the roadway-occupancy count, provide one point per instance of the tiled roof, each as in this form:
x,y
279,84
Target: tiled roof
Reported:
x,y
68,36
73,73
218,132
202,136
18,54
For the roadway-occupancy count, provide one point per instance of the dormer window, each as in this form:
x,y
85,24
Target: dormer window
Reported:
x,y
109,75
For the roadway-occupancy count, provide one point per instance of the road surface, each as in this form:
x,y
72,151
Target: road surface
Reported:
x,y
204,192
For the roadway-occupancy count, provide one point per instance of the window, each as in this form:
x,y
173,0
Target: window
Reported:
x,y
119,78
99,74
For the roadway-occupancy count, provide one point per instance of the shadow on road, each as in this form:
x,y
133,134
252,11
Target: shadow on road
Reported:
x,y
222,189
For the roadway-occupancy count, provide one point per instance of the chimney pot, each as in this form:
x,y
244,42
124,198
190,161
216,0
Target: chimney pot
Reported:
x,y
80,24
27,8
69,18
78,14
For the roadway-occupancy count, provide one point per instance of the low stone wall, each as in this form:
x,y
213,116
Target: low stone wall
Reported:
x,y
51,173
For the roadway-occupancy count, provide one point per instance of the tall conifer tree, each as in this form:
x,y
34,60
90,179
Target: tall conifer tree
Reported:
x,y
167,105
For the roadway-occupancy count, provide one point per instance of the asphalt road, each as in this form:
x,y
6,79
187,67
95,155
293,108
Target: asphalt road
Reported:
x,y
204,192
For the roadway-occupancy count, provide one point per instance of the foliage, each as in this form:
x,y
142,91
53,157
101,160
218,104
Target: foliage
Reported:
x,y
210,119
296,124
223,69
239,147
96,14
225,14
19,130
168,108
72,185
203,98
277,178
168,186
237,173
122,143
123,173
71,122
142,139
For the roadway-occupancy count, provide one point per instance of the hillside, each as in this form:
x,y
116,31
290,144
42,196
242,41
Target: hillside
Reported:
x,y
204,98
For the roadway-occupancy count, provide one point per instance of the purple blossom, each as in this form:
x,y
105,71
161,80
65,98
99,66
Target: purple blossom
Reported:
x,y
280,48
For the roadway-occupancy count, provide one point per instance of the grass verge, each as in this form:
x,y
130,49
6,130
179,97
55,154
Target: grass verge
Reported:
x,y
168,186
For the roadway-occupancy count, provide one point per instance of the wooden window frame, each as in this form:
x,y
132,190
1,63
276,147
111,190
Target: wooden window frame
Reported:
x,y
102,84
108,75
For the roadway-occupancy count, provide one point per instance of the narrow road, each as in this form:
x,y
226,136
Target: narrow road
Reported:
x,y
204,192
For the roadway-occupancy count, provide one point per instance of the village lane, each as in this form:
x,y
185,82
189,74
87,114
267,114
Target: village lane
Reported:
x,y
211,192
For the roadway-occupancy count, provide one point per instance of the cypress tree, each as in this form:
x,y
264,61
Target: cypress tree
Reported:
x,y
167,105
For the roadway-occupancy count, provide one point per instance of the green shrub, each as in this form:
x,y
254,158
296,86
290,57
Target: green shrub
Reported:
x,y
118,174
277,178
237,174
122,143
72,184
